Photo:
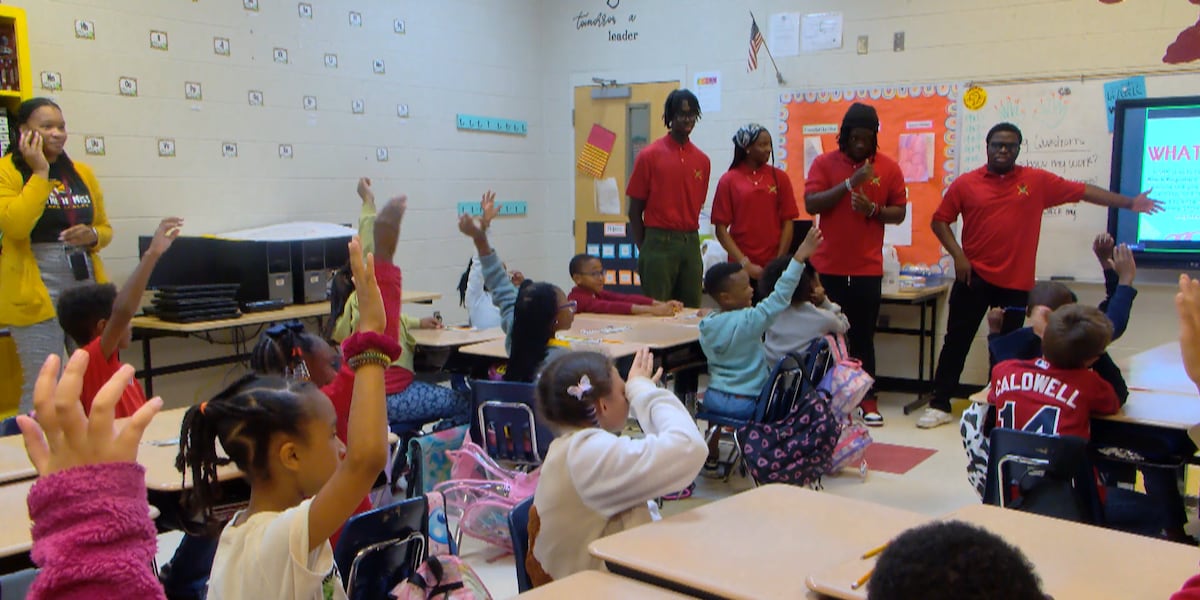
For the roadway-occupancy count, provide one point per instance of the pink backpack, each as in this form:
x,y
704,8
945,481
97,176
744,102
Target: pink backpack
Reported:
x,y
481,493
443,577
847,384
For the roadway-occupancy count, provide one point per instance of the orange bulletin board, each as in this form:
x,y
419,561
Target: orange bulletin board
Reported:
x,y
921,118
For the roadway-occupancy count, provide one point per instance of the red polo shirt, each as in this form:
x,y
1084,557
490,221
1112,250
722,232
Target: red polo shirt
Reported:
x,y
754,204
673,180
1002,219
853,241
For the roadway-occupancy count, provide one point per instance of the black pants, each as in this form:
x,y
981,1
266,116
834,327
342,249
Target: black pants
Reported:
x,y
859,298
968,305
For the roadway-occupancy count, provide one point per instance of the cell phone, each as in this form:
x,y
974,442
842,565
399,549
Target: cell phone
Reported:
x,y
437,314
79,268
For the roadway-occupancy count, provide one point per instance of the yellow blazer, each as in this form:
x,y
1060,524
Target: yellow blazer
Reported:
x,y
24,299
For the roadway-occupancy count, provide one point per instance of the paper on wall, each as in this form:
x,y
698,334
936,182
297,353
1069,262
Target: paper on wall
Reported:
x,y
608,199
900,234
784,34
821,31
707,87
813,148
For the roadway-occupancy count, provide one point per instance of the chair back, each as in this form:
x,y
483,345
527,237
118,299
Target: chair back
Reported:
x,y
506,424
381,547
1049,475
518,528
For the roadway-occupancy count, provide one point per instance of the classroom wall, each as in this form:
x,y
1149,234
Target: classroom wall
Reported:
x,y
456,56
965,40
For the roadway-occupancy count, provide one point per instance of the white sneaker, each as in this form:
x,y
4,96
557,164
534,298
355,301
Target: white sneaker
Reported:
x,y
933,417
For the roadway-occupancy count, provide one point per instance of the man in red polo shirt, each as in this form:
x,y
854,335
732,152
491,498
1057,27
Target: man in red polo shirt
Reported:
x,y
666,192
854,191
1001,205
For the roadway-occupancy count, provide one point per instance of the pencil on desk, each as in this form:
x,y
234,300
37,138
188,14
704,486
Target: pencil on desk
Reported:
x,y
874,551
862,580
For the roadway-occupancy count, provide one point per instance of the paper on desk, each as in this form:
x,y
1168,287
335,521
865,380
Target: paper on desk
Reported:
x,y
901,234
608,199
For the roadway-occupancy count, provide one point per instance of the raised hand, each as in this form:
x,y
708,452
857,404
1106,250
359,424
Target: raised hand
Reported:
x,y
809,245
490,208
371,316
62,436
365,192
164,236
1124,265
1187,304
643,366
995,320
1102,247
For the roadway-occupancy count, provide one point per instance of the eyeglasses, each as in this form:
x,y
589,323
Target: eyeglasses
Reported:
x,y
687,116
998,146
593,274
569,306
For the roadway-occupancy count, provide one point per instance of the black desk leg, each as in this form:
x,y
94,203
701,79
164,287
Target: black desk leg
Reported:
x,y
932,337
147,369
921,352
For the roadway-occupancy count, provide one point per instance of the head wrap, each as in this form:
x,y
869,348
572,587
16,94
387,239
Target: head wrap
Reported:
x,y
747,134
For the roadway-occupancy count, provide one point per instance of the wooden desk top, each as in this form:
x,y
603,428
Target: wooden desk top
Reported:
x,y
292,311
598,585
14,462
756,544
495,349
1156,409
16,536
452,337
653,333
917,294
687,317
1158,369
1082,561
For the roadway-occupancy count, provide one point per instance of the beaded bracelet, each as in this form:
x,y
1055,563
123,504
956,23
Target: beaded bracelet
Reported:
x,y
369,357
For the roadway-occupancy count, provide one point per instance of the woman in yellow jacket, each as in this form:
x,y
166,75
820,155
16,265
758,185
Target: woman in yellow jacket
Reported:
x,y
53,225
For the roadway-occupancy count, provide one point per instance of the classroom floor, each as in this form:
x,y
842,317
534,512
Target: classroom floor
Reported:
x,y
936,486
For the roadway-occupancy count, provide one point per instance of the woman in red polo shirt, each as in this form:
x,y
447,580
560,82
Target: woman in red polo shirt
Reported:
x,y
754,206
854,191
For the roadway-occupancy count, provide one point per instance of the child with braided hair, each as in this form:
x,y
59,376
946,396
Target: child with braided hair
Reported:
x,y
594,481
304,482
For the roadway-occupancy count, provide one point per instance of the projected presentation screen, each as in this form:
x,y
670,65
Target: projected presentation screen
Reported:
x,y
1156,147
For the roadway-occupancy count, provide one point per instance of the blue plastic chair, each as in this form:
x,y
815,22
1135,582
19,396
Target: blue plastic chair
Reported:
x,y
506,424
518,529
381,547
1049,475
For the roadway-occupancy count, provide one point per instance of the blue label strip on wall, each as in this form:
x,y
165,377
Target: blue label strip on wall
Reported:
x,y
492,125
510,208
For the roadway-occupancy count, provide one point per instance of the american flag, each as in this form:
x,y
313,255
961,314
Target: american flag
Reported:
x,y
756,42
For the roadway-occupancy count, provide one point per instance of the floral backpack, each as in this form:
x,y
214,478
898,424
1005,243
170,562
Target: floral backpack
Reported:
x,y
444,577
481,493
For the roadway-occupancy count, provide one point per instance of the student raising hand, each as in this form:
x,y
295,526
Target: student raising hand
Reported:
x,y
371,316
1187,304
62,437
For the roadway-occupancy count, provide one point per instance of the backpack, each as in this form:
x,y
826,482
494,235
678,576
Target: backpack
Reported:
x,y
445,577
429,458
481,493
851,449
794,441
845,380
440,540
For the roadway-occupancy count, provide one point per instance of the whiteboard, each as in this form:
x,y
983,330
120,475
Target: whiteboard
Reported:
x,y
1065,125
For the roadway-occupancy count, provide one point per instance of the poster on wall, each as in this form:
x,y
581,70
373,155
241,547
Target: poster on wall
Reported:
x,y
707,86
918,128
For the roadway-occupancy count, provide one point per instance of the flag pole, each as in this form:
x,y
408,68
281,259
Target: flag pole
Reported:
x,y
778,75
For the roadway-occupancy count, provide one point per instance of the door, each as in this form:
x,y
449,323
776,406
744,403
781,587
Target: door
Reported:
x,y
634,113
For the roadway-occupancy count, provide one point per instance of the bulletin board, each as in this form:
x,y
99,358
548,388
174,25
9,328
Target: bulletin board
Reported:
x,y
918,128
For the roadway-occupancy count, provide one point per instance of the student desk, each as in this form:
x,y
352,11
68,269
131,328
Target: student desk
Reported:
x,y
757,544
494,349
1158,369
1162,410
1073,560
14,463
453,337
925,300
147,328
656,334
598,585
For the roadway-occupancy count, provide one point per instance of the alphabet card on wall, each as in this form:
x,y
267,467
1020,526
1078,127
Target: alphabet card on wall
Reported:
x,y
158,40
285,151
310,103
94,145
166,147
221,46
281,56
492,125
51,80
229,149
85,30
305,10
192,90
127,86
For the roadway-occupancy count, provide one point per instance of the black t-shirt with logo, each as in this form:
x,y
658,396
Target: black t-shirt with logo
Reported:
x,y
69,204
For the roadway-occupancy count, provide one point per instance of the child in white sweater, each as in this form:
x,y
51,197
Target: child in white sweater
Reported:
x,y
810,316
594,482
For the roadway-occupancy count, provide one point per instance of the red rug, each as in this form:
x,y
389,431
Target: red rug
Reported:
x,y
892,458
